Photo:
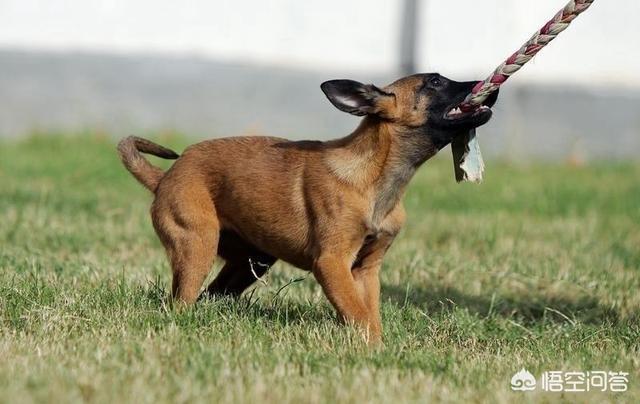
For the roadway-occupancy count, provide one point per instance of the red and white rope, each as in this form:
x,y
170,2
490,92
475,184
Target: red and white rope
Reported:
x,y
538,41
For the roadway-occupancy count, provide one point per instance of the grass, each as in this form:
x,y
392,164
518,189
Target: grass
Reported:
x,y
538,267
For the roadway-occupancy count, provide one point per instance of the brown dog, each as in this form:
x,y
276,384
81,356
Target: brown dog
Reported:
x,y
332,208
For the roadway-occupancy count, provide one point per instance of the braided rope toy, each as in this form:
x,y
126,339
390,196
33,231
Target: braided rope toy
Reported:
x,y
466,150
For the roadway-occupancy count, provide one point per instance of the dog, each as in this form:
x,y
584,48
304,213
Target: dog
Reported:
x,y
332,208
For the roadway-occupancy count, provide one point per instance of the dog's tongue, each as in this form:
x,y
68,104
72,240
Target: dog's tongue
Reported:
x,y
467,159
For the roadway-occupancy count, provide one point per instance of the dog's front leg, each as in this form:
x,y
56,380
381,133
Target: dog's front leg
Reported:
x,y
334,275
366,268
366,273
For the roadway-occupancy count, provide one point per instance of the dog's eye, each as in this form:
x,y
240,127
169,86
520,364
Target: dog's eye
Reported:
x,y
435,81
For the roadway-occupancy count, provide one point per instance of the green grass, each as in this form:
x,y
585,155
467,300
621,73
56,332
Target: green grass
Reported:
x,y
538,267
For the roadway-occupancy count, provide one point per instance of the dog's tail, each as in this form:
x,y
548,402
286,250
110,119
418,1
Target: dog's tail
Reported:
x,y
146,173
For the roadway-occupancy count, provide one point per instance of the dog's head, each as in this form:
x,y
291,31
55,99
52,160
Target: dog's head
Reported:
x,y
421,104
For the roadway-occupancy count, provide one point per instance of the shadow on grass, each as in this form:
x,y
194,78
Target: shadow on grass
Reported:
x,y
527,308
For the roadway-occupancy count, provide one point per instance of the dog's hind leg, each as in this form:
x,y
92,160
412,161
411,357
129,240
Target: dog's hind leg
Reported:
x,y
244,265
236,276
189,229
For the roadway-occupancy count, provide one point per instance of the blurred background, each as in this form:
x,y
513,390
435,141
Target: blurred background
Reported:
x,y
224,68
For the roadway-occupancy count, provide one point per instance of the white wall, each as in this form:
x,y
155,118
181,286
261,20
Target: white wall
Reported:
x,y
460,38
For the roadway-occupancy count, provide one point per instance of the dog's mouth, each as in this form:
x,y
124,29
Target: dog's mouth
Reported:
x,y
468,115
455,113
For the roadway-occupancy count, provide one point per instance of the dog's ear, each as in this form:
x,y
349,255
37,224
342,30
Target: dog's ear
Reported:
x,y
357,98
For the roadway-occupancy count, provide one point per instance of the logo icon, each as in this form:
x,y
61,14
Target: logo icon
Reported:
x,y
523,381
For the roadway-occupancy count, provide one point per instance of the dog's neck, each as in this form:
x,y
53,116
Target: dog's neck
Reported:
x,y
359,158
378,157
